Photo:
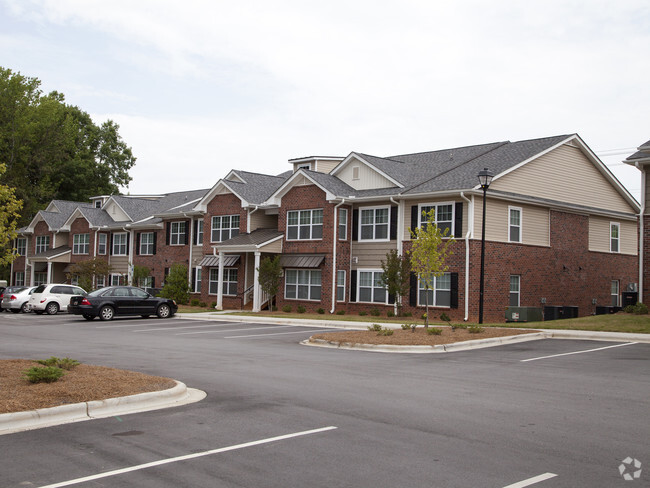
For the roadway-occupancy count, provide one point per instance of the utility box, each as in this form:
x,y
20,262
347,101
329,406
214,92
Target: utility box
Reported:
x,y
630,298
553,312
570,312
524,314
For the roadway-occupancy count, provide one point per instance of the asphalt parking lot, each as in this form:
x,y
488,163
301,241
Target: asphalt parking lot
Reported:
x,y
549,413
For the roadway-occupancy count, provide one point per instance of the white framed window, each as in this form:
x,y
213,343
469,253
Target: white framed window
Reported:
x,y
615,288
19,278
199,232
369,287
374,223
146,243
146,282
514,224
515,290
120,240
197,279
21,246
40,278
305,224
224,227
117,280
304,166
80,243
100,281
444,216
229,281
302,284
98,204
343,223
101,243
74,280
42,244
439,293
340,285
614,237
177,233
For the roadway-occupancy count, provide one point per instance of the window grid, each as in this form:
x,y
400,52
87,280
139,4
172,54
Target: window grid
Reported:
x,y
119,244
340,286
146,243
21,246
615,293
515,290
373,224
199,232
514,224
224,227
614,236
40,278
19,278
80,243
305,224
101,243
42,244
302,284
177,234
343,224
370,289
444,217
197,279
439,293
229,281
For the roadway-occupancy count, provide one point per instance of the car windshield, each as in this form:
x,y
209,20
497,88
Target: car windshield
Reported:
x,y
15,289
98,293
40,289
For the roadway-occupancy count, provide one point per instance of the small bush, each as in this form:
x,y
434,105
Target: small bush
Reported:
x,y
386,332
406,326
363,313
475,329
458,326
194,302
62,363
274,308
640,309
286,308
629,309
434,331
374,328
390,313
203,304
340,312
445,318
424,316
375,312
213,304
47,374
301,309
408,314
320,311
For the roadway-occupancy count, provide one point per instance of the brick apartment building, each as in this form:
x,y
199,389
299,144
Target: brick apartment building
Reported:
x,y
560,230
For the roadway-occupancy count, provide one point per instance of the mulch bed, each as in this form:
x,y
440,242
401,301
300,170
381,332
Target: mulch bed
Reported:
x,y
418,338
82,384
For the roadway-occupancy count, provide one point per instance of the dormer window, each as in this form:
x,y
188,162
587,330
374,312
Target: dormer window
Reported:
x,y
98,204
304,166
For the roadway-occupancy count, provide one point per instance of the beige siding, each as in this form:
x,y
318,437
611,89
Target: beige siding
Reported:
x,y
599,236
646,190
326,166
546,177
197,255
119,264
116,212
370,254
368,178
259,220
535,222
60,239
275,247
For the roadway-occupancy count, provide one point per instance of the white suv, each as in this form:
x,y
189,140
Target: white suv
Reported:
x,y
52,298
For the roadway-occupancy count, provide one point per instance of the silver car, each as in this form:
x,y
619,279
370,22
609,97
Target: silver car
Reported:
x,y
15,298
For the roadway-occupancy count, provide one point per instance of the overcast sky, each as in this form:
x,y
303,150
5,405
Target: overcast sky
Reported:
x,y
201,87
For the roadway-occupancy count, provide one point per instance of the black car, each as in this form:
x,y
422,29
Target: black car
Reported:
x,y
108,302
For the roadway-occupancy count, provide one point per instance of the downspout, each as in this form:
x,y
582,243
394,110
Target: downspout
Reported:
x,y
334,243
129,268
641,226
189,259
400,238
470,231
11,270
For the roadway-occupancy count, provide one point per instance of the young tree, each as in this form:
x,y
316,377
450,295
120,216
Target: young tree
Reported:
x,y
177,286
395,277
9,216
87,272
140,273
429,251
270,273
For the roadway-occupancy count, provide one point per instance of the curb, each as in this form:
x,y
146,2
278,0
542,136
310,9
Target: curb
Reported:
x,y
76,412
441,348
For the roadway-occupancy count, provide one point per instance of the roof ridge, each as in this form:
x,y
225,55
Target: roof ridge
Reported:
x,y
448,149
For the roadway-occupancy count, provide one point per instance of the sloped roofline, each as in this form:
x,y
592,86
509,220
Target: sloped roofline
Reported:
x,y
202,206
66,225
354,155
112,197
287,185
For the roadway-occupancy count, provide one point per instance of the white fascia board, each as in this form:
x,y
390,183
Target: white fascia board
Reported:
x,y
234,173
276,197
202,205
119,206
315,158
49,258
353,155
77,213
247,247
37,218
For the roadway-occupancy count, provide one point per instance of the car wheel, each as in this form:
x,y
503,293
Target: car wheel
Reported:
x,y
24,308
52,308
106,313
163,311
15,310
88,317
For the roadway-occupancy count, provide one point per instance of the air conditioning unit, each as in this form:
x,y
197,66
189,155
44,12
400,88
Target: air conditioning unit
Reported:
x,y
355,259
633,287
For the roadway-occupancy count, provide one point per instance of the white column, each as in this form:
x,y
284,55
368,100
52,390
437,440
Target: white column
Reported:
x,y
256,284
49,271
220,282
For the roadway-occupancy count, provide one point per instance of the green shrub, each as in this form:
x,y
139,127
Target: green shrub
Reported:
x,y
386,332
445,318
203,304
320,311
340,312
47,374
640,309
213,304
406,326
374,328
62,363
363,313
474,329
408,314
458,326
286,308
301,309
390,313
424,316
629,309
194,302
434,331
375,312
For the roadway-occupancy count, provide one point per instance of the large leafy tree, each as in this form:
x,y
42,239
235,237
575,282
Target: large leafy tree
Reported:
x,y
9,214
53,150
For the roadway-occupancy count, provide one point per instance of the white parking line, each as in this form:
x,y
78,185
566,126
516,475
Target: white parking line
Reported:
x,y
188,327
240,329
186,457
532,481
277,333
578,352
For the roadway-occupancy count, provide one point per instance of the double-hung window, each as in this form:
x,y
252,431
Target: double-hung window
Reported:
x,y
199,232
19,278
229,281
40,278
343,224
370,288
374,224
146,243
305,224
224,227
101,280
437,293
42,244
443,217
119,245
21,246
177,233
117,280
80,243
101,243
514,224
197,280
302,284
340,285
614,237
515,290
615,293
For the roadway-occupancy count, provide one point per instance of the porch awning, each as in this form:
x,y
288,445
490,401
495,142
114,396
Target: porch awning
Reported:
x,y
213,261
301,260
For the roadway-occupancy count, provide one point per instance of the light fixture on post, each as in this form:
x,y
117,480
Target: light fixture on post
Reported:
x,y
484,178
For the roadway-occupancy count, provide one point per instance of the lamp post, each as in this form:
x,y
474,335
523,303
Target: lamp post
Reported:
x,y
484,178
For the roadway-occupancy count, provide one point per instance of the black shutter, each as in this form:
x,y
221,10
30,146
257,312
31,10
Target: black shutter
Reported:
x,y
110,251
413,291
193,280
355,225
187,232
458,220
391,298
155,239
353,285
393,223
195,224
414,217
454,290
128,242
153,282
137,243
167,231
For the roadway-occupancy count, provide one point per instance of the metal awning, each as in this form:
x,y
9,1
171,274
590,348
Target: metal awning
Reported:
x,y
213,261
301,260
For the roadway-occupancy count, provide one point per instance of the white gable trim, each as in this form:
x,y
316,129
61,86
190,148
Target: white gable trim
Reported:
x,y
293,180
354,156
222,184
113,201
74,215
234,175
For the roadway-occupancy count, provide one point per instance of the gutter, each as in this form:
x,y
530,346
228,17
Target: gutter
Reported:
x,y
641,247
334,244
248,219
191,243
470,231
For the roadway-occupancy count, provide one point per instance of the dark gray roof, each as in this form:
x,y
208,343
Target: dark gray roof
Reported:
x,y
212,261
52,252
331,183
644,153
301,260
178,202
258,187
